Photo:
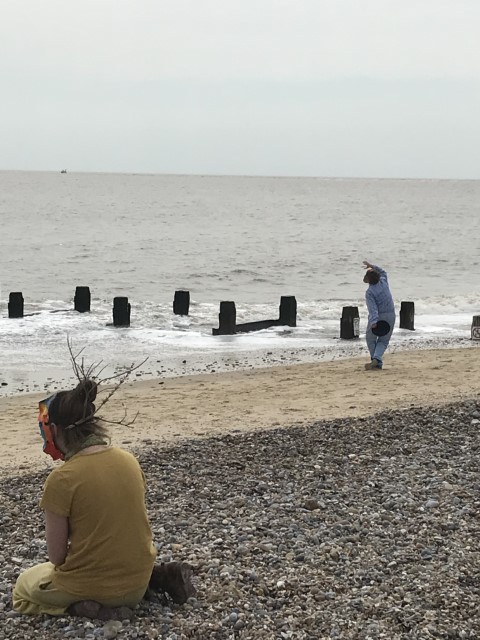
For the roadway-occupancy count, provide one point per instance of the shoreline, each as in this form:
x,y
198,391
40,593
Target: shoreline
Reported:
x,y
211,404
31,379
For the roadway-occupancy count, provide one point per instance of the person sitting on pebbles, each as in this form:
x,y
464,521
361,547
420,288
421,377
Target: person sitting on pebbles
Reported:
x,y
99,540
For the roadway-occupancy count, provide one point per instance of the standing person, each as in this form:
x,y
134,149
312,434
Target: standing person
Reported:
x,y
381,309
98,535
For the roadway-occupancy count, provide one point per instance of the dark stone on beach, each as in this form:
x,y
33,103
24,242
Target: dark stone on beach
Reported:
x,y
427,554
111,629
311,505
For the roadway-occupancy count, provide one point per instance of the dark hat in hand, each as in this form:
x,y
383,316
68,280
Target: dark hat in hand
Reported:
x,y
381,329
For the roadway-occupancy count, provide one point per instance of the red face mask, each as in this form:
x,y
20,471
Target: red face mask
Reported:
x,y
49,446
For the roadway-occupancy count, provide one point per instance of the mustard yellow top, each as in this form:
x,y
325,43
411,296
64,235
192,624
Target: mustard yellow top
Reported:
x,y
110,552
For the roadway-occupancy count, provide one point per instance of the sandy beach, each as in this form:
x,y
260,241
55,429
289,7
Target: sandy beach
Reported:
x,y
172,409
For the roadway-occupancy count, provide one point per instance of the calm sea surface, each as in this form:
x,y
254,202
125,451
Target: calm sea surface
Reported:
x,y
245,239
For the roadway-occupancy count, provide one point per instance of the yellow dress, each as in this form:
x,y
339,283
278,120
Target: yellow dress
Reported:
x,y
111,554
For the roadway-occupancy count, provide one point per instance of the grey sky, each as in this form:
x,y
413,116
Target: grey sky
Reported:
x,y
271,87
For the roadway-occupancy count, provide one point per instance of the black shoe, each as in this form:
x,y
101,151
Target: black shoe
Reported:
x,y
173,578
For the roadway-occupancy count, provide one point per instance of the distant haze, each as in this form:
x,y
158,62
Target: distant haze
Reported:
x,y
373,88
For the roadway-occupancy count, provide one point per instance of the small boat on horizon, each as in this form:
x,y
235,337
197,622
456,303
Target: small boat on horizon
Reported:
x,y
63,171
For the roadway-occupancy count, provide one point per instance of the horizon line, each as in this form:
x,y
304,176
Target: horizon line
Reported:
x,y
235,175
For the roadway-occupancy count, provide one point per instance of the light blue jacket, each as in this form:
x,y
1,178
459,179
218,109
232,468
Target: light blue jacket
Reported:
x,y
379,299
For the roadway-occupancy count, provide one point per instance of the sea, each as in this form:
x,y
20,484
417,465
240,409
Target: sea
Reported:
x,y
246,239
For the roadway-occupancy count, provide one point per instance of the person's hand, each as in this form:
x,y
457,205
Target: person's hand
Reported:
x,y
367,264
374,326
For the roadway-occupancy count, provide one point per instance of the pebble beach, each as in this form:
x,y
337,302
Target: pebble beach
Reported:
x,y
353,515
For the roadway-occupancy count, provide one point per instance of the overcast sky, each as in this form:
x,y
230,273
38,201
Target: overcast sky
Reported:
x,y
381,88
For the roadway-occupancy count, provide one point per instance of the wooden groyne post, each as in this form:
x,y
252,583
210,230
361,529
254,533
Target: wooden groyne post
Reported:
x,y
15,304
350,323
181,303
82,299
121,312
288,311
407,316
476,328
227,319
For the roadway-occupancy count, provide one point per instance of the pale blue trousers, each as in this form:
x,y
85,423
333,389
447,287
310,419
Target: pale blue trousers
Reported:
x,y
377,345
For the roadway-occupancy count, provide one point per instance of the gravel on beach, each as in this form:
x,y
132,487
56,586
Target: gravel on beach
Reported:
x,y
362,528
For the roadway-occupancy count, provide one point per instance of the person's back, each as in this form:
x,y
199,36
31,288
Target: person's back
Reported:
x,y
111,550
378,297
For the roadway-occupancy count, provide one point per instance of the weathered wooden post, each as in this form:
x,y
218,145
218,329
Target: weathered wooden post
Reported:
x,y
15,304
81,300
288,311
227,319
350,323
476,328
181,303
407,316
121,312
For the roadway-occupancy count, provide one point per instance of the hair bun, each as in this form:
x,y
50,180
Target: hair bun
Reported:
x,y
86,390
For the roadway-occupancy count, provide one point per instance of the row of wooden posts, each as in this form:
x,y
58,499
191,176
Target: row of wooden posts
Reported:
x,y
181,306
227,318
